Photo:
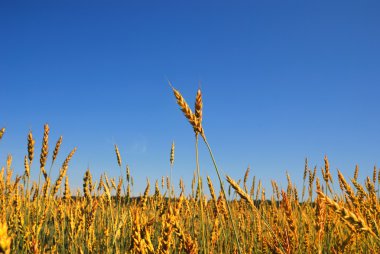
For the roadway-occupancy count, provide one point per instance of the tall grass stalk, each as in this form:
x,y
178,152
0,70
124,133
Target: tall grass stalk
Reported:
x,y
200,193
224,194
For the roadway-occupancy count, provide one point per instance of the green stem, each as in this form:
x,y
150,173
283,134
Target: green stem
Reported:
x,y
200,192
122,178
224,194
171,183
51,166
38,198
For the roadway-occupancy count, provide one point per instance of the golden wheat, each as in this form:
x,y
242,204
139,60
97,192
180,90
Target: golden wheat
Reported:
x,y
172,150
31,143
191,117
118,157
56,149
2,131
46,218
44,150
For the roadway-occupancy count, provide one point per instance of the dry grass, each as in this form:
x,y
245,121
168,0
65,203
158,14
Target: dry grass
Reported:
x,y
45,217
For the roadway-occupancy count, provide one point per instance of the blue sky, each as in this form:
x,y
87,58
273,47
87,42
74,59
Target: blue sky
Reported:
x,y
281,81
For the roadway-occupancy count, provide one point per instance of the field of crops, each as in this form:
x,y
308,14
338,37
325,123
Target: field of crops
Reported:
x,y
43,216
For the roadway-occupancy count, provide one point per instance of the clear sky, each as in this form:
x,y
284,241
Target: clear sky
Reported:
x,y
281,81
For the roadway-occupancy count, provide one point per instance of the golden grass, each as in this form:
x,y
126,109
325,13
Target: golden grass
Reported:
x,y
56,149
193,118
2,131
118,157
31,143
5,240
172,151
44,150
46,217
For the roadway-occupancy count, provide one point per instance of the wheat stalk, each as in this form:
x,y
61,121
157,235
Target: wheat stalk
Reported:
x,y
44,150
356,173
199,106
118,157
349,217
86,185
5,240
290,220
191,117
31,143
26,166
241,192
62,172
56,149
67,192
2,131
172,150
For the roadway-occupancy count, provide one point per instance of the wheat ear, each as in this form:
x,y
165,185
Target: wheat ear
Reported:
x,y
44,150
2,131
241,192
62,172
349,217
199,106
31,143
172,150
118,157
27,167
56,149
191,117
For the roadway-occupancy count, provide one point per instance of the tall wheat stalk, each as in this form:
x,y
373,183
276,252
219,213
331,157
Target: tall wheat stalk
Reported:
x,y
119,162
196,122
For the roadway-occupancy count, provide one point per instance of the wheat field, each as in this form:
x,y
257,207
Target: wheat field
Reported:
x,y
327,215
